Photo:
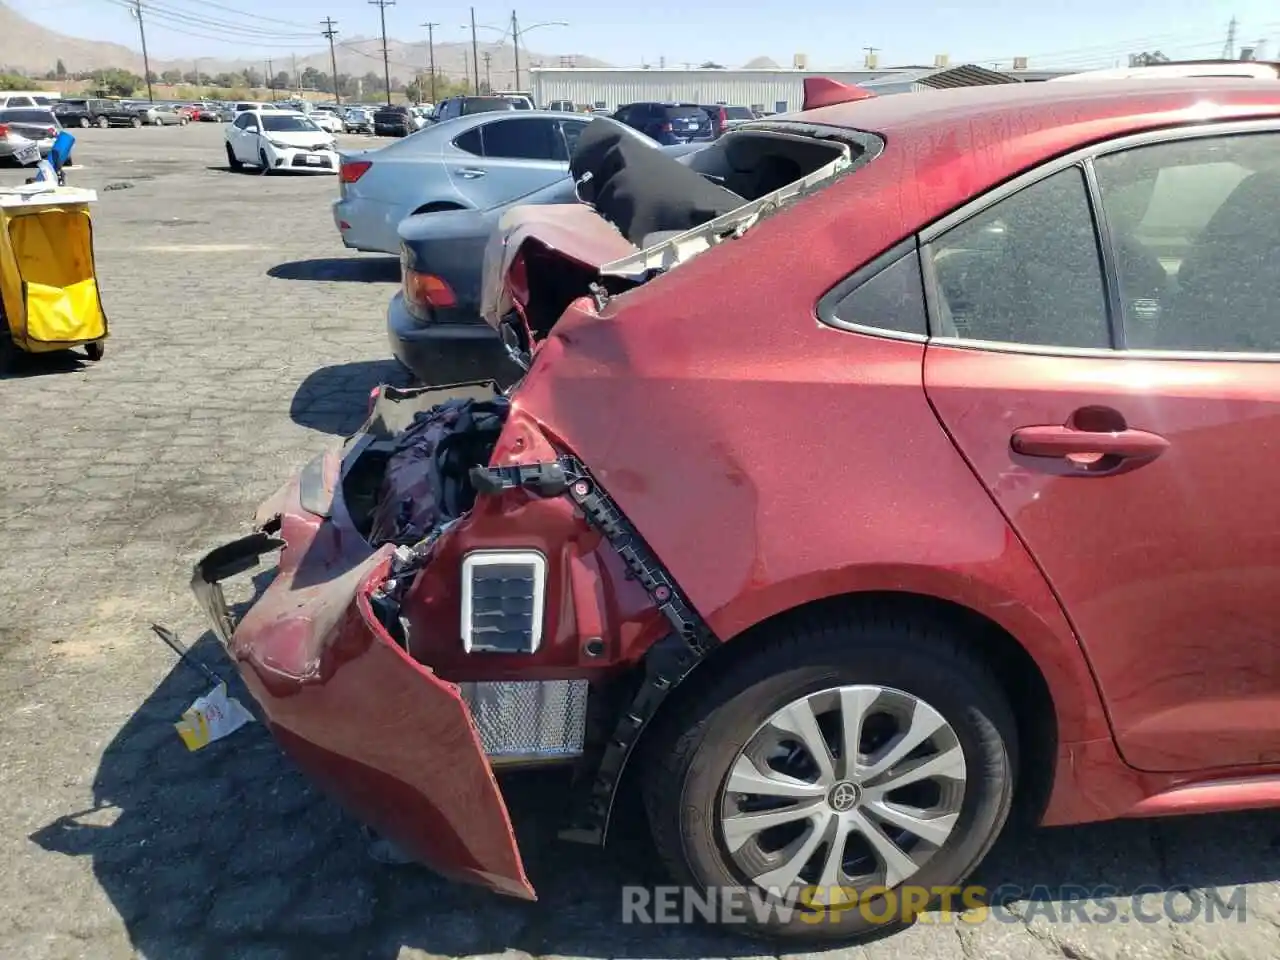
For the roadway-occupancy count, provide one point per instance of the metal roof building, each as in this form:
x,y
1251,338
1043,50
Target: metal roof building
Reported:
x,y
774,90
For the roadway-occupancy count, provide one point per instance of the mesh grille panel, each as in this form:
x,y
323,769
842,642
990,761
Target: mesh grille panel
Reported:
x,y
529,718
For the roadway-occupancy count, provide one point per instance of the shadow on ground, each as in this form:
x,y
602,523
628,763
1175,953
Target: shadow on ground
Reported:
x,y
340,270
22,364
336,399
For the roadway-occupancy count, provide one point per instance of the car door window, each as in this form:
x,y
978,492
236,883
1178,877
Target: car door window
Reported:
x,y
1197,243
531,139
242,121
1025,270
567,141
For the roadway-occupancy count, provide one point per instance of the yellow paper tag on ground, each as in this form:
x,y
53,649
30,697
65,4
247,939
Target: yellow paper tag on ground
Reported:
x,y
211,717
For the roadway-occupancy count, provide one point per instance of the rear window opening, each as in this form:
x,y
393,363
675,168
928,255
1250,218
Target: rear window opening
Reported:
x,y
672,210
763,169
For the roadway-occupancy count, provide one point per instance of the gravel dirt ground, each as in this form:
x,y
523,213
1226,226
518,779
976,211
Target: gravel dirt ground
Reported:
x,y
244,338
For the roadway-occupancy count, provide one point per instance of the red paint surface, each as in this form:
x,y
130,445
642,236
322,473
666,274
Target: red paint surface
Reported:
x,y
386,737
771,461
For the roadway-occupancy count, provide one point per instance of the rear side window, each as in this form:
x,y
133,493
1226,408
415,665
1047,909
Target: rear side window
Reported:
x,y
531,139
738,113
470,142
888,295
1025,270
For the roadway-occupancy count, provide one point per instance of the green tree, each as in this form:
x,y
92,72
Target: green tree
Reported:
x,y
116,82
60,70
173,77
11,81
227,80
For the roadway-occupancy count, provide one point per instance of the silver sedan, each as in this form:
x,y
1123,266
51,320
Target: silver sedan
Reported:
x,y
475,162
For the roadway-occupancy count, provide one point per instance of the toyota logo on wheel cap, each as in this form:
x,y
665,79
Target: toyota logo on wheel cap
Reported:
x,y
843,797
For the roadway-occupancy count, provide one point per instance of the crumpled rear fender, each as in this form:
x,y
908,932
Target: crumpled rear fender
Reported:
x,y
385,736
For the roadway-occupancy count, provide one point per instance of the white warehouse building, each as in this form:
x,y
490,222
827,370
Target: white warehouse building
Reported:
x,y
775,91
770,90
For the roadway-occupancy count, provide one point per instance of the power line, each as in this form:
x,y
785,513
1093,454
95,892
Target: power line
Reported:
x,y
386,64
251,16
175,21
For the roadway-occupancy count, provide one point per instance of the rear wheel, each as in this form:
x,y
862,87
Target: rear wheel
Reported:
x,y
85,123
103,123
232,160
135,122
858,767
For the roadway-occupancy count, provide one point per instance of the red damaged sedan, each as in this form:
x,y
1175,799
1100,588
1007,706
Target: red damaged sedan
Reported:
x,y
873,470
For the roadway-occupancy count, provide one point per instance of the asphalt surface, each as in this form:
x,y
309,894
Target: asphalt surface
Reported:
x,y
244,338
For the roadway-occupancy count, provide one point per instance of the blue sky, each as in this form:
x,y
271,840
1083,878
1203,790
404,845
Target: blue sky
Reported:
x,y
832,33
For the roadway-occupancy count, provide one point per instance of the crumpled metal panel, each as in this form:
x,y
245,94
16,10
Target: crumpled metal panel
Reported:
x,y
528,719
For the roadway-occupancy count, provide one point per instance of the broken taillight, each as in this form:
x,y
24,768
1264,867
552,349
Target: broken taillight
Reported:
x,y
424,292
353,170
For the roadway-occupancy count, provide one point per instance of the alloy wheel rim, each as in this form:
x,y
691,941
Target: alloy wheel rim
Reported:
x,y
801,809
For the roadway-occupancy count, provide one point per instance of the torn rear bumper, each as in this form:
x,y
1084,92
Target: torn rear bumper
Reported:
x,y
394,744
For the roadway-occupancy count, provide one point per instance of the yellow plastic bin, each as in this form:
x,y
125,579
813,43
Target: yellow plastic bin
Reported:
x,y
48,281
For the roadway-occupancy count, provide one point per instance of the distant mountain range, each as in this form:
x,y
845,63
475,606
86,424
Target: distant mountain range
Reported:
x,y
29,48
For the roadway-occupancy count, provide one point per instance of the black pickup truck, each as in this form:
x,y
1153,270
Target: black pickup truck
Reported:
x,y
393,122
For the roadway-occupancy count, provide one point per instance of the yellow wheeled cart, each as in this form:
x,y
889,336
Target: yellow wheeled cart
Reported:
x,y
48,282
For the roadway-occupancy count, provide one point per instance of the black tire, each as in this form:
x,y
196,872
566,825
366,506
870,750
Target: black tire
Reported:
x,y
264,165
103,123
85,123
686,758
233,161
95,351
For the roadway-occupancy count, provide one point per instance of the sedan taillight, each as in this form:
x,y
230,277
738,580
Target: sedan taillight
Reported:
x,y
353,170
424,292
4,129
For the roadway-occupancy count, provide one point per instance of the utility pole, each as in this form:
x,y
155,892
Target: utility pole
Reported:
x,y
146,61
297,81
515,43
431,53
386,63
488,81
1228,52
333,58
198,90
871,56
271,80
475,50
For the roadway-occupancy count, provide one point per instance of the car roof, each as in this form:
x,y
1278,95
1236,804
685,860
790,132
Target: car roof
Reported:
x,y
1033,122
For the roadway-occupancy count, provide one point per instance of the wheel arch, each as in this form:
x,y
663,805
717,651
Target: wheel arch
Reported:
x,y
438,206
1037,707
